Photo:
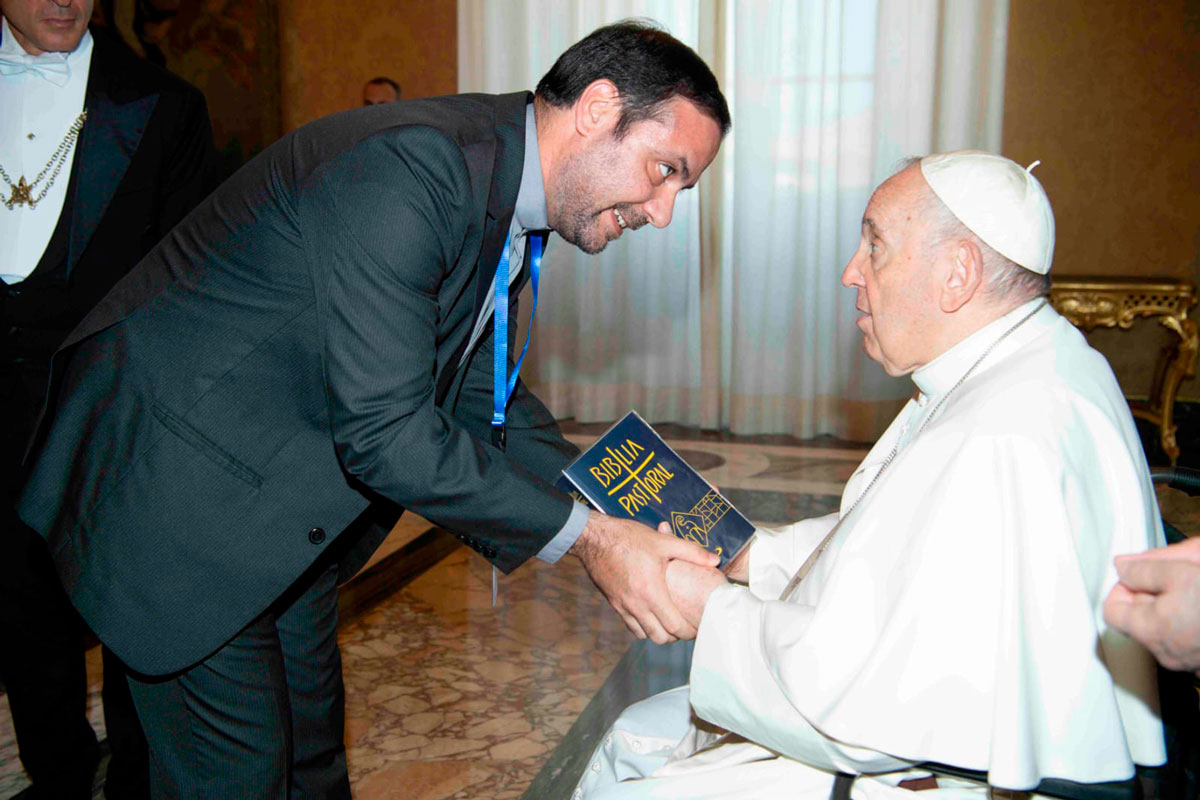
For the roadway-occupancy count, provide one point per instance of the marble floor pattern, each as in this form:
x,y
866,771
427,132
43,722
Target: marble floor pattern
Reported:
x,y
449,697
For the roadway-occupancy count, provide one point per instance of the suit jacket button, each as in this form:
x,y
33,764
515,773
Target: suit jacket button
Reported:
x,y
316,535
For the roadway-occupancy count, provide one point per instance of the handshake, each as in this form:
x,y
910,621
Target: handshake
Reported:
x,y
657,582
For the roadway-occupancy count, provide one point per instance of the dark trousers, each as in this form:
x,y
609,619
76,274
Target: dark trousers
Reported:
x,y
263,717
42,664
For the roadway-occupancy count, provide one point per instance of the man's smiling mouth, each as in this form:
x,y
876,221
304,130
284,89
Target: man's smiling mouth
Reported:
x,y
620,220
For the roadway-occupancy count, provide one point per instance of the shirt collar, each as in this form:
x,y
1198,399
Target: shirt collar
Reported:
x,y
530,212
11,49
940,374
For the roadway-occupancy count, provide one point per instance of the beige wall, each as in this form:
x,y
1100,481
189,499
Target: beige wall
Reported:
x,y
329,49
1104,92
1107,94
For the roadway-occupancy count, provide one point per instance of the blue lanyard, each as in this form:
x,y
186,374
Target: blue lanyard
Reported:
x,y
502,382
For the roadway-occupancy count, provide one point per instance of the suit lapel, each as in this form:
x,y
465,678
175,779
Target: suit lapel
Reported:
x,y
507,161
506,182
107,143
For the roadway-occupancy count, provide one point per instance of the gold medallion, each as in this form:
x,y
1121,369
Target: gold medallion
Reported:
x,y
21,195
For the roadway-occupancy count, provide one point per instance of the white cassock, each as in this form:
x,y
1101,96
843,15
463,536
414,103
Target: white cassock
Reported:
x,y
955,617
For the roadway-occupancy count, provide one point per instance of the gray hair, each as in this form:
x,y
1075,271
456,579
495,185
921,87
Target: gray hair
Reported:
x,y
1004,280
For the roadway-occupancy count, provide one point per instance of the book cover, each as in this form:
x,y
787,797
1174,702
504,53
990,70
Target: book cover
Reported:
x,y
631,472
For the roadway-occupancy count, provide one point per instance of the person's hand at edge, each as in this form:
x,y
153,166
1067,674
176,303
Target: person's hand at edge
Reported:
x,y
1187,550
628,563
1157,603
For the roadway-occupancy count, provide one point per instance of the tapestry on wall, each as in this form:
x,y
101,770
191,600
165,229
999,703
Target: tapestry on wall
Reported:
x,y
229,49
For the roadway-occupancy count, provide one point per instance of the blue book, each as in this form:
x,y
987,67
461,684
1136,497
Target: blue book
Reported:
x,y
631,472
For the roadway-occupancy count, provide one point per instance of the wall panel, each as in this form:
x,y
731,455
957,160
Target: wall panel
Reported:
x,y
329,49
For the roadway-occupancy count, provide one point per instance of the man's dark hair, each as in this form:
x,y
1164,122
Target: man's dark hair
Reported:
x,y
648,66
381,80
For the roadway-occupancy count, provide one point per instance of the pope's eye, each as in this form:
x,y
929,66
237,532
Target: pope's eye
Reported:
x,y
666,170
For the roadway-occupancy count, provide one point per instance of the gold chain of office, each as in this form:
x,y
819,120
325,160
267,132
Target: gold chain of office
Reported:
x,y
22,192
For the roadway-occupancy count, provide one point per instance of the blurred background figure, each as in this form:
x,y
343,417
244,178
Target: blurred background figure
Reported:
x,y
380,90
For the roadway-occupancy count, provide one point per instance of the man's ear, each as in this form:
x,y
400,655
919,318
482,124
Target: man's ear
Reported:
x,y
597,109
964,278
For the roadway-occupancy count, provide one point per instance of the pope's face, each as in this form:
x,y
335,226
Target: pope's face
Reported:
x,y
47,26
893,276
612,185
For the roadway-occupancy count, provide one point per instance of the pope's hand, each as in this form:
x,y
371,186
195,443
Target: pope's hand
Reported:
x,y
690,586
628,563
1157,602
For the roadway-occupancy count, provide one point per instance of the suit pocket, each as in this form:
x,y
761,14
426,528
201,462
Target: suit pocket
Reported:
x,y
203,445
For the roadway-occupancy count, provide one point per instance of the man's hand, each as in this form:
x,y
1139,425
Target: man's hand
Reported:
x,y
628,563
1157,602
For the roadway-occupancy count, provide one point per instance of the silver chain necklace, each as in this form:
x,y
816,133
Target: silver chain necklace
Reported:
x,y
812,559
22,192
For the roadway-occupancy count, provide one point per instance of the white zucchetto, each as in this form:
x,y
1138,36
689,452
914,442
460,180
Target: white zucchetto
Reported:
x,y
999,201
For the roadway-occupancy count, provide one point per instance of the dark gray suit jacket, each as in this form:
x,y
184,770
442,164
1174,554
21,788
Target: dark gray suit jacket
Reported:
x,y
271,367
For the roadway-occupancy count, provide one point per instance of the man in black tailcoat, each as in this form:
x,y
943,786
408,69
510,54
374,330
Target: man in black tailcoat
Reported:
x,y
124,151
315,338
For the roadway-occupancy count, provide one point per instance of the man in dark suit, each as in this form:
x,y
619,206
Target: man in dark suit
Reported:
x,y
140,159
314,338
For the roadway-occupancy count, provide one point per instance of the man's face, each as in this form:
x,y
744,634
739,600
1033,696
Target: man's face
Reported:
x,y
611,185
376,93
893,275
47,26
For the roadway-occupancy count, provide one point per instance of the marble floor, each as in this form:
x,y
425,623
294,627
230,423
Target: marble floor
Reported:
x,y
450,697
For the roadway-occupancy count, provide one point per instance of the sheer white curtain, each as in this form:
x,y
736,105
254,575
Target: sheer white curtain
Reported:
x,y
621,329
733,316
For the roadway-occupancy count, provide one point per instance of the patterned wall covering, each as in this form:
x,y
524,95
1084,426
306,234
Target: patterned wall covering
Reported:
x,y
229,49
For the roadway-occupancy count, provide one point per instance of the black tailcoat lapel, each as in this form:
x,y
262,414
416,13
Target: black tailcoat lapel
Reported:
x,y
116,120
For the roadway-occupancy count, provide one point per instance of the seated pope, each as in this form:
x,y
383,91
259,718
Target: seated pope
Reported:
x,y
951,610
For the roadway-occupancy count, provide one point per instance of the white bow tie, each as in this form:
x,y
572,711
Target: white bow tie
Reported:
x,y
57,71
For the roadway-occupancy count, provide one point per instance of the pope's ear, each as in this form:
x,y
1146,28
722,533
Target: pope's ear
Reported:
x,y
964,278
597,108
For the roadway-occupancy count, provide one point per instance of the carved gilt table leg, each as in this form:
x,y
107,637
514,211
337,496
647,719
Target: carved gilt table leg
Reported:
x,y
1182,366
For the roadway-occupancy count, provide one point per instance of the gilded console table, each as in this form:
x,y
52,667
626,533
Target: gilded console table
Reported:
x,y
1089,302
